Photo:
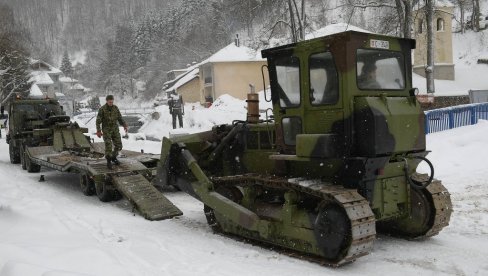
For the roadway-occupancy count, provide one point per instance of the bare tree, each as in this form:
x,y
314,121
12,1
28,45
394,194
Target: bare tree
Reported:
x,y
475,18
429,69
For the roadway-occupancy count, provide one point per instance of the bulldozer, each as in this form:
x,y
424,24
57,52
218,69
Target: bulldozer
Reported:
x,y
336,162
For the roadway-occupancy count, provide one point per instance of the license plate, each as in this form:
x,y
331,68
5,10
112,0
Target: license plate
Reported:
x,y
380,44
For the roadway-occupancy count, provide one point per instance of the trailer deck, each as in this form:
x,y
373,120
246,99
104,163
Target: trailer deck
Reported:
x,y
130,179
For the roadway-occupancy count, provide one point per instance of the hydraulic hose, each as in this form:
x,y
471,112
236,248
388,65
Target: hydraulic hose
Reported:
x,y
414,183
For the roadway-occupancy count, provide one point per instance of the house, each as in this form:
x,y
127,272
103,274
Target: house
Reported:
x,y
230,71
45,77
443,56
188,85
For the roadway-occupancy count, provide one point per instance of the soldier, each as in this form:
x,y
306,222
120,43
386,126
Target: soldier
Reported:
x,y
367,79
176,109
107,119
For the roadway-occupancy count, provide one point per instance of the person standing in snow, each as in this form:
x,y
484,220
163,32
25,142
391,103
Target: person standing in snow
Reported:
x,y
176,109
107,119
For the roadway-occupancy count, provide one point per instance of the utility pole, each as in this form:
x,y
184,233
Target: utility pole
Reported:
x,y
429,69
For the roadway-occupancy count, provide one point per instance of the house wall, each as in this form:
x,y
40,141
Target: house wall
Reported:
x,y
443,57
233,78
190,91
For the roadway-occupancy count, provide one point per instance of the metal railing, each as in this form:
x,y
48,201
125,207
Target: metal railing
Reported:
x,y
452,117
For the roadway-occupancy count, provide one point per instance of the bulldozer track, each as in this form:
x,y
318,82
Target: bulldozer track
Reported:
x,y
361,217
443,208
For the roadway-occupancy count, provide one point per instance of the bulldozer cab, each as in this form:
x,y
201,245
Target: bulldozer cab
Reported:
x,y
316,85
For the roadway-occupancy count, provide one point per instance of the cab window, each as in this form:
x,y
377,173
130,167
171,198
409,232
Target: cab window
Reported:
x,y
292,126
288,76
380,70
324,84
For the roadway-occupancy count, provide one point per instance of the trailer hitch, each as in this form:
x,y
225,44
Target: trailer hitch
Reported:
x,y
416,184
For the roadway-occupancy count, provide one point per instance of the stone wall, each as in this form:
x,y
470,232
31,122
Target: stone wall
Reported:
x,y
445,101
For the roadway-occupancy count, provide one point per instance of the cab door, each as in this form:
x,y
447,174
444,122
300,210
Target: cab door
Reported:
x,y
322,100
285,69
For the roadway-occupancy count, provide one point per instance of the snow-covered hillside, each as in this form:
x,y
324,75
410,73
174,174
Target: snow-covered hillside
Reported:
x,y
51,228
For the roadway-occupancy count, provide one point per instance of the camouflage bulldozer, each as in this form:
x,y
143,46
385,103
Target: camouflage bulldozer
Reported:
x,y
336,164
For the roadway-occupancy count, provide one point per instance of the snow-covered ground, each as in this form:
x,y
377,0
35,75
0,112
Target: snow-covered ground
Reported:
x,y
52,229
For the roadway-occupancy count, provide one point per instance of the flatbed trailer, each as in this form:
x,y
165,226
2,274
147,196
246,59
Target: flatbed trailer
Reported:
x,y
131,179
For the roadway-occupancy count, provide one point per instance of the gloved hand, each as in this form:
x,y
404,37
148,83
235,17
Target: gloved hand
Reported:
x,y
99,134
126,128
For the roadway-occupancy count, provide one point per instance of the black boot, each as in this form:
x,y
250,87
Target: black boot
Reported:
x,y
115,161
109,164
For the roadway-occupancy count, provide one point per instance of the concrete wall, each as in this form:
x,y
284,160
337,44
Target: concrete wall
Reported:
x,y
441,71
190,91
443,57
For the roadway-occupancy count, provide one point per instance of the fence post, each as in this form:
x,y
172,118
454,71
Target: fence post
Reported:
x,y
474,118
427,124
450,115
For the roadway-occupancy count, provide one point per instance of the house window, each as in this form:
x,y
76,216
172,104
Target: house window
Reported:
x,y
421,26
440,24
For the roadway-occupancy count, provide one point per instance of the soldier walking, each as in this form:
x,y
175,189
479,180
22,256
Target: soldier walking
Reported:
x,y
176,109
107,119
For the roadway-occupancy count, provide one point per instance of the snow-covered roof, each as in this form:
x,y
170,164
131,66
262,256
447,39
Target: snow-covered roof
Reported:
x,y
334,29
67,80
78,86
35,91
186,78
233,53
51,69
187,70
41,78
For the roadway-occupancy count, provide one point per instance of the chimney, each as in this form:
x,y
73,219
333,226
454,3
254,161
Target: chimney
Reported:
x,y
237,41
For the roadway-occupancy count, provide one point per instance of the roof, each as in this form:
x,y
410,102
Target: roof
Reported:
x,y
186,78
233,53
334,29
35,91
51,69
67,80
41,78
331,36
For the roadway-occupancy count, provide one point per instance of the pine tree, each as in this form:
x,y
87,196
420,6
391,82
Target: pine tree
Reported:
x,y
66,66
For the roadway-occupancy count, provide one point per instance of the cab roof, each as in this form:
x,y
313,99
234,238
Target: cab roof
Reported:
x,y
337,36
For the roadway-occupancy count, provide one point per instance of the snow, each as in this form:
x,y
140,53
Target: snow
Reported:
x,y
67,80
233,53
50,228
35,91
334,29
41,78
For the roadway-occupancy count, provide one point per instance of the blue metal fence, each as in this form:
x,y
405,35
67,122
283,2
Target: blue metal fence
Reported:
x,y
457,116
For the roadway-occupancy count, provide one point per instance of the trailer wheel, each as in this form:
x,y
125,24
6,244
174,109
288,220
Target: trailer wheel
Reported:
x,y
14,153
104,193
87,184
31,167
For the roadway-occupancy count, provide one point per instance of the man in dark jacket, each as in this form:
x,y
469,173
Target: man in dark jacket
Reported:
x,y
108,120
176,109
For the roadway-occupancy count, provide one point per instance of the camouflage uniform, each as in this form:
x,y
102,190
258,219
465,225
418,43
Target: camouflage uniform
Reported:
x,y
107,118
175,104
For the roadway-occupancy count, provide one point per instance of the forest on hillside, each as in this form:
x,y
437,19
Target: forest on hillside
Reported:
x,y
123,42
